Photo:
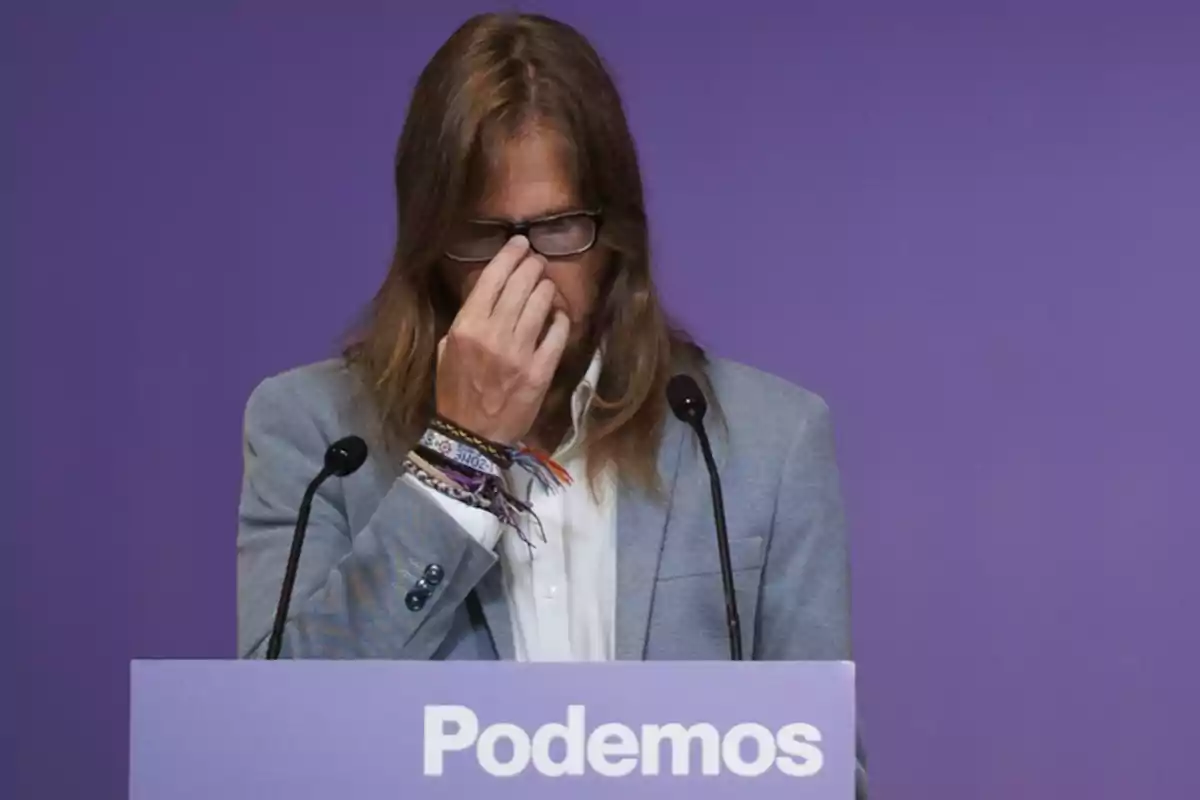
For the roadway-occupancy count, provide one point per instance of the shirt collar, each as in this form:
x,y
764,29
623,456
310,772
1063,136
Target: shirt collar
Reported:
x,y
581,401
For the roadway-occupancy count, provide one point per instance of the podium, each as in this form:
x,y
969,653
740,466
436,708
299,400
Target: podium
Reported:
x,y
399,730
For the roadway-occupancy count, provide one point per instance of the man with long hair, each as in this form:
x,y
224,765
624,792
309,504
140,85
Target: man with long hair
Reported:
x,y
528,494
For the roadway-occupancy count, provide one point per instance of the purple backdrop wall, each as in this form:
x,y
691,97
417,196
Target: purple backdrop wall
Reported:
x,y
975,232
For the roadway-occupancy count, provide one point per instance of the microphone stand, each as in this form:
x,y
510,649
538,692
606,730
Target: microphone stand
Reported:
x,y
293,564
342,458
733,621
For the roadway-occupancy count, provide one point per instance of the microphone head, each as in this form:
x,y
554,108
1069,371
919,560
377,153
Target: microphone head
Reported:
x,y
345,456
686,399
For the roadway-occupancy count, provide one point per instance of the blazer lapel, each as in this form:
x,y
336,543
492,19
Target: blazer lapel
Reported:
x,y
641,528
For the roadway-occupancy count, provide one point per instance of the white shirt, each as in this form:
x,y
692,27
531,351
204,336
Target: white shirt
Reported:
x,y
561,592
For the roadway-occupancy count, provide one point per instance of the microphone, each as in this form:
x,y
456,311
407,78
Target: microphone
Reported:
x,y
688,403
343,458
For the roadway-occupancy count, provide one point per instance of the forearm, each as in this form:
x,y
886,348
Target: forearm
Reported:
x,y
353,603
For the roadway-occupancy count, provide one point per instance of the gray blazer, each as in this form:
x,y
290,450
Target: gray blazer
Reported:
x,y
371,537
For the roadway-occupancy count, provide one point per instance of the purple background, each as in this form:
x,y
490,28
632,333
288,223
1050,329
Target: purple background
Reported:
x,y
364,741
975,232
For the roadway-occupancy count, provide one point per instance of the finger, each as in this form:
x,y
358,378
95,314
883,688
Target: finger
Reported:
x,y
549,352
441,348
533,317
516,292
492,279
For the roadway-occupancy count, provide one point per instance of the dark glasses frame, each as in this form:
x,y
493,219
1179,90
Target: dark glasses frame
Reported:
x,y
524,227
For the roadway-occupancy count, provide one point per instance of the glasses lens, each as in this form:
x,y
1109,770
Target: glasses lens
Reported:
x,y
477,241
563,236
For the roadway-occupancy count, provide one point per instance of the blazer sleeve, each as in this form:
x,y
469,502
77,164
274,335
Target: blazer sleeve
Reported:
x,y
805,602
349,596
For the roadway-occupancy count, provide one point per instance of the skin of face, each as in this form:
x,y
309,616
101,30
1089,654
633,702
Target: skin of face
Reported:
x,y
528,182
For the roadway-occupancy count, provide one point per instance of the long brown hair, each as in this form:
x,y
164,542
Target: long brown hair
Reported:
x,y
495,75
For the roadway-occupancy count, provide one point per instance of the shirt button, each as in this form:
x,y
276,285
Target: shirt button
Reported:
x,y
551,592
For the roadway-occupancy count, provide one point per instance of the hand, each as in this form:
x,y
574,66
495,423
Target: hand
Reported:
x,y
495,364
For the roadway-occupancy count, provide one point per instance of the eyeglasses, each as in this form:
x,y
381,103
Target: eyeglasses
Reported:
x,y
556,236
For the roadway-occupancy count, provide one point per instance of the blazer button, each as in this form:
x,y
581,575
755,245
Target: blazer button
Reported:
x,y
434,574
415,600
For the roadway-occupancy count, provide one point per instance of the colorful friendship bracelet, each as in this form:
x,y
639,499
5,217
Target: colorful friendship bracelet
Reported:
x,y
449,472
459,452
496,452
446,487
538,463
485,492
468,468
